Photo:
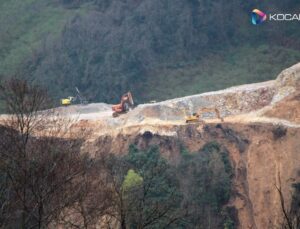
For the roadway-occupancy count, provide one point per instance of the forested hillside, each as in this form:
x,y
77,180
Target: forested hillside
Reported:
x,y
159,49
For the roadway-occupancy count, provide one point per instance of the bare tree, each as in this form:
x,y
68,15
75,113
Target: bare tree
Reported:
x,y
42,167
93,204
291,216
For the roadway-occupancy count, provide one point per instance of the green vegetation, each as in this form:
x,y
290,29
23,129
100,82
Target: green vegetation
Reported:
x,y
25,27
154,199
24,24
187,195
150,192
242,65
157,49
207,186
131,180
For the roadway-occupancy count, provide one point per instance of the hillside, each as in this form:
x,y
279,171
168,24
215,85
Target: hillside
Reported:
x,y
234,166
261,129
241,159
156,49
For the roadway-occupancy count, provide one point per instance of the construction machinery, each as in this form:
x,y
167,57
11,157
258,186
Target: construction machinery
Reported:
x,y
68,101
71,99
196,117
192,118
125,105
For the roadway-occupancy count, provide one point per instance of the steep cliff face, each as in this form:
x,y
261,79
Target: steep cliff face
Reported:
x,y
262,157
261,132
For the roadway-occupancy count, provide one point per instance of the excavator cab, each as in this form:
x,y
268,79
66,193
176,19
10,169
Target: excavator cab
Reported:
x,y
68,101
124,106
71,100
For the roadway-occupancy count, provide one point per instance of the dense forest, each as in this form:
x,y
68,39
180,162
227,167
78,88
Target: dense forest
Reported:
x,y
158,49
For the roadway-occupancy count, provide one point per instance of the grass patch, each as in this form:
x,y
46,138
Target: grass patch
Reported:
x,y
241,65
25,24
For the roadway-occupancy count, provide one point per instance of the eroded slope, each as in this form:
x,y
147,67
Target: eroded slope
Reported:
x,y
261,131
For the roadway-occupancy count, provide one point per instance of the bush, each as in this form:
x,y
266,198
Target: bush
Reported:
x,y
279,132
131,180
206,184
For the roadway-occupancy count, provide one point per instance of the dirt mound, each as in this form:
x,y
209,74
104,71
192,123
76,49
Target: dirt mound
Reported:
x,y
288,109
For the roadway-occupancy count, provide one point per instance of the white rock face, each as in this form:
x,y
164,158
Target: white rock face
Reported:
x,y
231,101
289,77
287,82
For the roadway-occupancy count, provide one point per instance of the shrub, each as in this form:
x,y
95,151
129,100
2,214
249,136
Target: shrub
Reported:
x,y
279,132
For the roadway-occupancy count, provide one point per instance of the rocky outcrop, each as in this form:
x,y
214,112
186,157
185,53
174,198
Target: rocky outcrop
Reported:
x,y
260,154
232,101
261,132
259,157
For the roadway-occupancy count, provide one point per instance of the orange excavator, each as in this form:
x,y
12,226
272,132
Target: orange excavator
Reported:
x,y
124,106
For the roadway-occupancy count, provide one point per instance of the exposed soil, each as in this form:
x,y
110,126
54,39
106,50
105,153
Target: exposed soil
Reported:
x,y
261,130
252,115
288,109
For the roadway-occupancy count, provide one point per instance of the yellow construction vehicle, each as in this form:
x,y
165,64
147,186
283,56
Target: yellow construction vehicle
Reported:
x,y
192,118
70,100
196,117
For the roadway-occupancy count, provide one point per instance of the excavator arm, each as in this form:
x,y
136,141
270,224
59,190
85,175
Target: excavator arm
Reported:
x,y
124,106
